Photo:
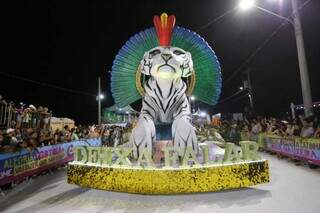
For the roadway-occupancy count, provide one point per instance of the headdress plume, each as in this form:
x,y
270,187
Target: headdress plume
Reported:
x,y
164,26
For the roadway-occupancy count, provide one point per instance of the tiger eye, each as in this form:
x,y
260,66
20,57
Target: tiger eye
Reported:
x,y
155,52
178,52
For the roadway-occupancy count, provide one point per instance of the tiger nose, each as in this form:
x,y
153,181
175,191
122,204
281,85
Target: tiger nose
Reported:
x,y
166,56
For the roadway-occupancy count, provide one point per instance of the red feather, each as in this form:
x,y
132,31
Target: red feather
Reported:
x,y
164,30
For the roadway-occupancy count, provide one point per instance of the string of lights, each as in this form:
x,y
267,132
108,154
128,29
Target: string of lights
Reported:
x,y
254,53
45,84
214,20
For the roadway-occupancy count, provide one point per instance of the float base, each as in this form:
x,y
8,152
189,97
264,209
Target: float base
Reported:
x,y
170,180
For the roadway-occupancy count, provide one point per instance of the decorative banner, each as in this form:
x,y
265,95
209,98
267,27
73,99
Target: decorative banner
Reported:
x,y
17,166
303,149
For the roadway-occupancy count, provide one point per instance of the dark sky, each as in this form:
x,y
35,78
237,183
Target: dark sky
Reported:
x,y
71,43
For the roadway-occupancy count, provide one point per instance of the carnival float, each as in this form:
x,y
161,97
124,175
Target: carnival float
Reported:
x,y
163,66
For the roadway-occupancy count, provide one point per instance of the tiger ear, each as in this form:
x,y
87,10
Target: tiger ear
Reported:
x,y
145,64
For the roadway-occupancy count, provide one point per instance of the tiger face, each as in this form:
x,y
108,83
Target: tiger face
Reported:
x,y
167,63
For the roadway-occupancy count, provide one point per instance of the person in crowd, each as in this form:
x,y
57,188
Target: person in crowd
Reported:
x,y
289,130
46,138
19,112
33,116
86,133
18,135
9,142
116,137
271,125
126,135
307,130
46,118
32,144
24,144
317,132
65,134
234,134
315,122
1,140
104,136
296,127
276,130
111,137
74,135
56,136
11,137
39,117
79,132
35,136
224,130
26,118
256,129
245,133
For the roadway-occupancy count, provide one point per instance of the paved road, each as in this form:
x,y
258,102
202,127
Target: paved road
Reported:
x,y
292,189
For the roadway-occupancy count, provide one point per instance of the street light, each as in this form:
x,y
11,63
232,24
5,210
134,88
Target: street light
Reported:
x,y
99,97
203,114
246,4
303,68
241,88
192,98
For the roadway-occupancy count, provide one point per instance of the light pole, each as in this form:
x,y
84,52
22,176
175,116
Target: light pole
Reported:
x,y
304,75
250,90
99,98
247,86
303,68
192,98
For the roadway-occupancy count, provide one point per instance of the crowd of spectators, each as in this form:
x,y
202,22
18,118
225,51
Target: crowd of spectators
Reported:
x,y
13,140
236,130
113,136
21,116
29,128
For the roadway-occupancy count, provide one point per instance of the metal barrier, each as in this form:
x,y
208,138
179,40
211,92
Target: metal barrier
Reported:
x,y
10,117
7,115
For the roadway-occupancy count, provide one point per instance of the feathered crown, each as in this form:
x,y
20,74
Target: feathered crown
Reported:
x,y
126,77
164,27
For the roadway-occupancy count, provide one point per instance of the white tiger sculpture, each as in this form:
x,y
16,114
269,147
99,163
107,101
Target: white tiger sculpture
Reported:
x,y
165,100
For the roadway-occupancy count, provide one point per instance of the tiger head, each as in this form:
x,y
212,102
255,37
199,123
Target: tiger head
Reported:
x,y
167,63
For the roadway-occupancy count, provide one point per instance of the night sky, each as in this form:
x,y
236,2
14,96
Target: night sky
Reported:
x,y
70,43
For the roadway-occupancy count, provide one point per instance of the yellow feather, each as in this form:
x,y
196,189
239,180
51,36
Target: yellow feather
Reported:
x,y
164,19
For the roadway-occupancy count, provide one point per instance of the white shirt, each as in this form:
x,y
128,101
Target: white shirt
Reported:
x,y
307,132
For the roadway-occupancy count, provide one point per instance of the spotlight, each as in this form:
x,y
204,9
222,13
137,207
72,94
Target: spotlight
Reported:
x,y
246,4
